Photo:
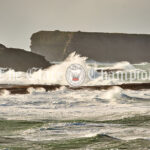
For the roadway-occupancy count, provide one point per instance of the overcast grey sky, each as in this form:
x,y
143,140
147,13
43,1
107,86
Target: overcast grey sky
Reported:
x,y
20,18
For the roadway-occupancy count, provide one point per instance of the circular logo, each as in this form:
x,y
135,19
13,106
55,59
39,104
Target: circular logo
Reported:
x,y
75,75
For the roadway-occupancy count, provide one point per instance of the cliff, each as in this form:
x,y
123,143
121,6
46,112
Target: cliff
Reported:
x,y
20,60
104,47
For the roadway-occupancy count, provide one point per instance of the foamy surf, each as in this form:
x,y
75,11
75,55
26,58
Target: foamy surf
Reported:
x,y
56,74
49,111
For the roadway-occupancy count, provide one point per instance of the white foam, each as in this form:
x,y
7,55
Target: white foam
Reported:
x,y
112,93
53,75
35,90
64,104
123,65
4,92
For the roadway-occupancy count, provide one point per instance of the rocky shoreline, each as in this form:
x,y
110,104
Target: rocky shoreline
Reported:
x,y
23,89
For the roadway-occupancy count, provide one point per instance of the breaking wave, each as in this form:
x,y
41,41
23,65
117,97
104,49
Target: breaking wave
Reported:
x,y
55,74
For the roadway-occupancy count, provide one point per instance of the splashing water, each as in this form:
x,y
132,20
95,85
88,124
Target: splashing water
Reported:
x,y
74,114
55,74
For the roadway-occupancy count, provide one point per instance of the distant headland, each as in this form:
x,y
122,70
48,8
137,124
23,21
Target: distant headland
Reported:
x,y
20,60
103,47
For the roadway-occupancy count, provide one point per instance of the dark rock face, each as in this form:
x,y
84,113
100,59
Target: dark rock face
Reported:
x,y
20,60
104,47
2,46
49,44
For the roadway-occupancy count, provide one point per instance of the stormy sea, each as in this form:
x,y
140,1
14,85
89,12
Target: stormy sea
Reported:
x,y
69,118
